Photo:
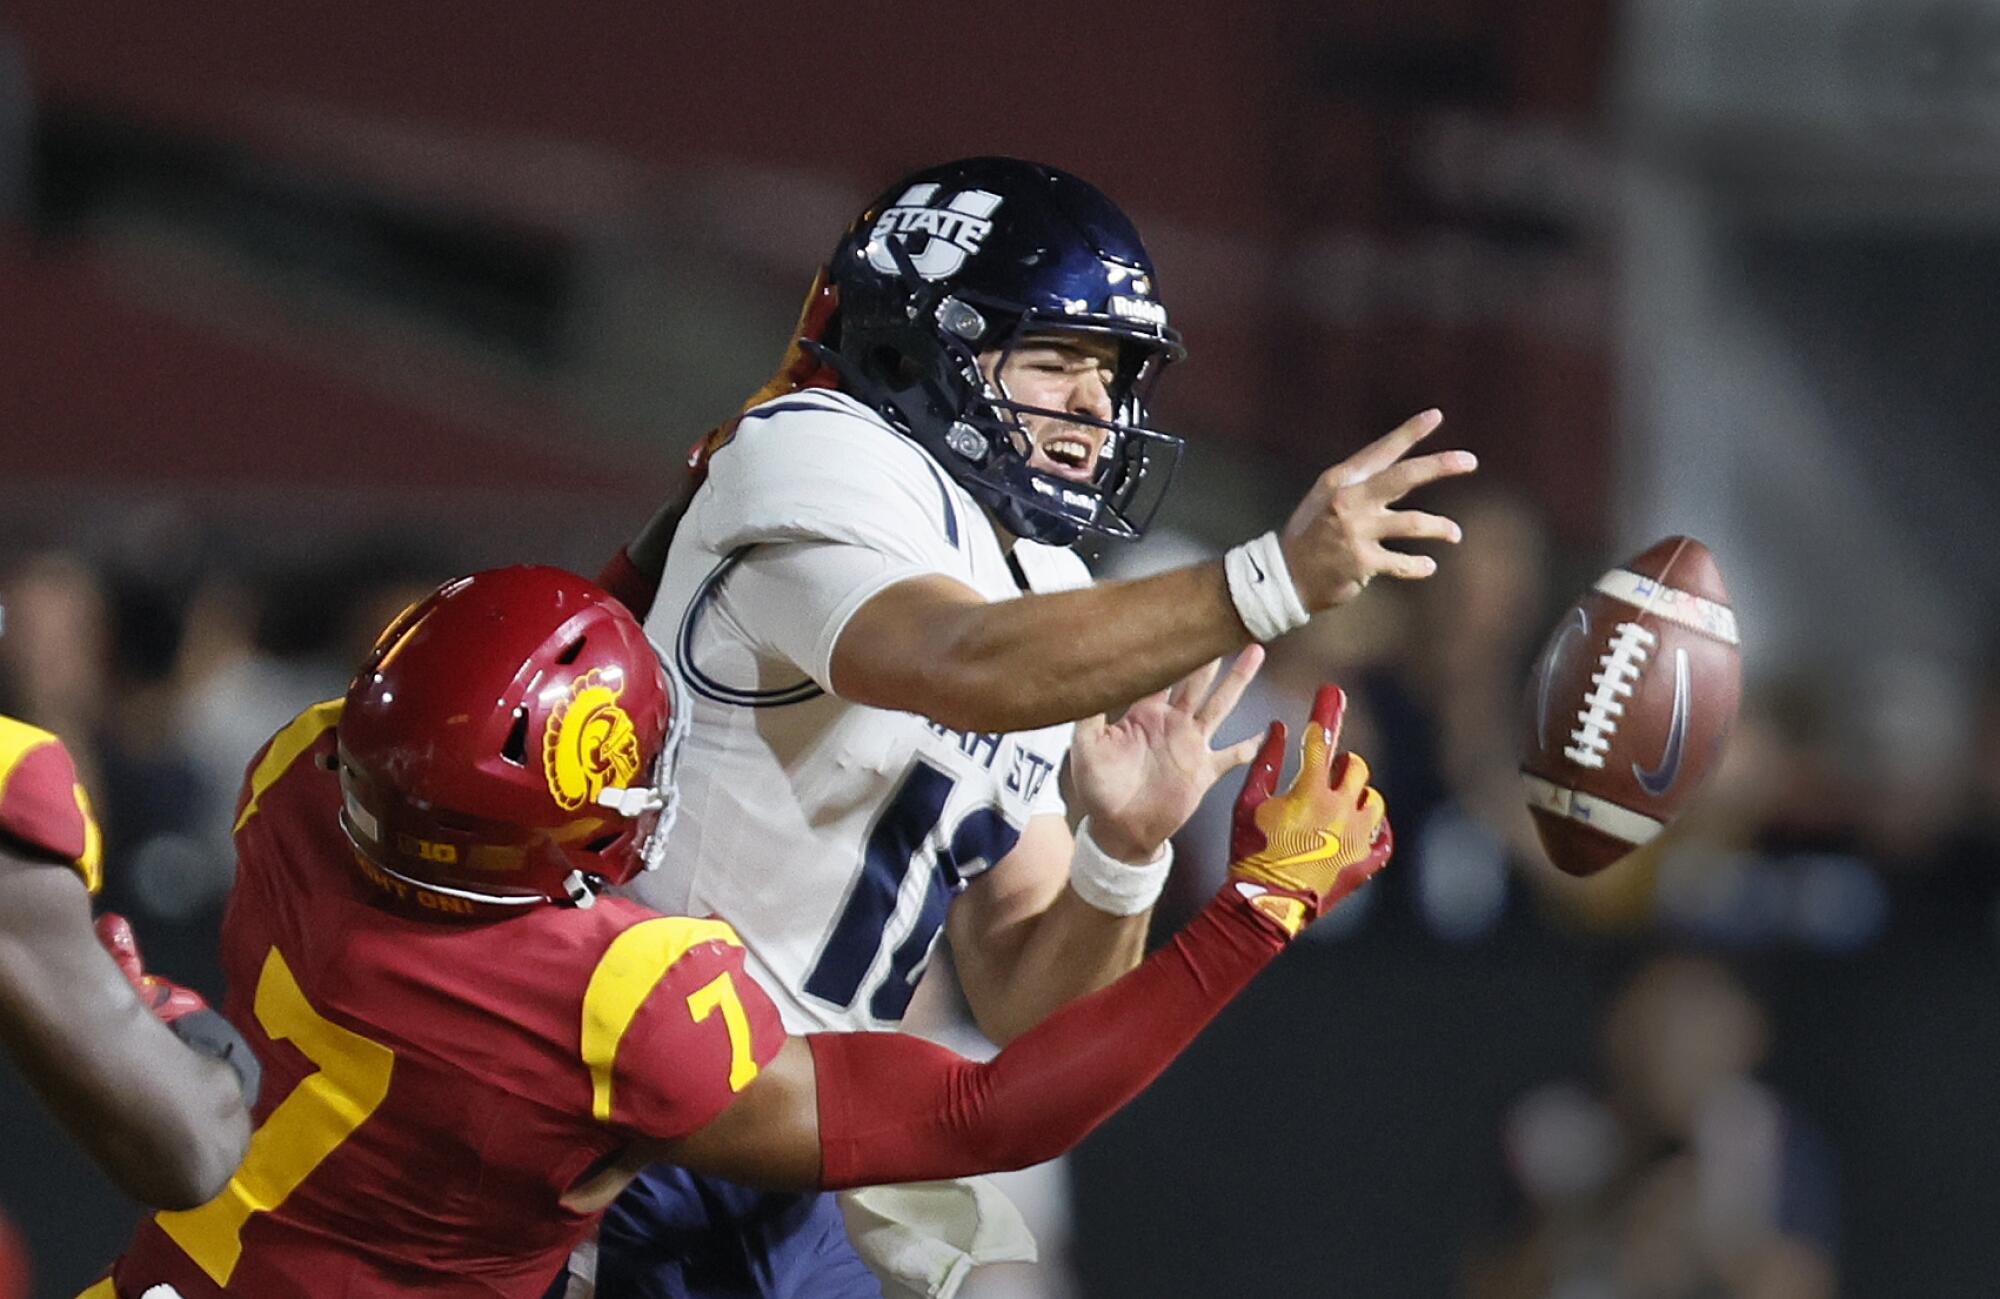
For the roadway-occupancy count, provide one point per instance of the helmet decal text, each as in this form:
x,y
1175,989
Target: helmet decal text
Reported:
x,y
951,231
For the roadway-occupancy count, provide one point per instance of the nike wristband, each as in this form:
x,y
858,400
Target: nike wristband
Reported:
x,y
1260,586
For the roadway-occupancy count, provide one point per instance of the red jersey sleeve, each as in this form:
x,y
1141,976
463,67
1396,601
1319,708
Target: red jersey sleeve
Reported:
x,y
42,805
673,1027
291,743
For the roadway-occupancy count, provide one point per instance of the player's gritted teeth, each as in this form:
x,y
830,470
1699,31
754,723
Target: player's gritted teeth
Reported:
x,y
1066,453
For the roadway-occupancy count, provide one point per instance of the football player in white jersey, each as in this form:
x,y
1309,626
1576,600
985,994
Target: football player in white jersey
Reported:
x,y
889,650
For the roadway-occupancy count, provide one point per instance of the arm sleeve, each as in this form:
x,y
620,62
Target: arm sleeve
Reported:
x,y
795,598
42,804
628,585
673,1026
894,1108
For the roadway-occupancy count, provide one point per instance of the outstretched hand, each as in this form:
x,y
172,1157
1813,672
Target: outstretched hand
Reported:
x,y
1320,840
1140,778
1334,540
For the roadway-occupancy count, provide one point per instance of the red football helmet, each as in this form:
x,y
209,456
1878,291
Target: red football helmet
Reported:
x,y
510,742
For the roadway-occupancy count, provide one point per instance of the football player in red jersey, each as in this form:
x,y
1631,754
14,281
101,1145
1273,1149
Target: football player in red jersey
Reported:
x,y
469,1052
167,1124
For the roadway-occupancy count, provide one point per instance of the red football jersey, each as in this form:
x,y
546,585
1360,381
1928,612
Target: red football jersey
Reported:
x,y
433,1087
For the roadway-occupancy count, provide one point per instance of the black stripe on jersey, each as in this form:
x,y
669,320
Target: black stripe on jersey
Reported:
x,y
708,687
944,492
1020,574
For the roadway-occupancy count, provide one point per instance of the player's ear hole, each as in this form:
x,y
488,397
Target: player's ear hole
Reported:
x,y
601,842
571,650
515,750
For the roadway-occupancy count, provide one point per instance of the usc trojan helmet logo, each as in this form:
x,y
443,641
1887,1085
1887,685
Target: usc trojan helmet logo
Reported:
x,y
591,744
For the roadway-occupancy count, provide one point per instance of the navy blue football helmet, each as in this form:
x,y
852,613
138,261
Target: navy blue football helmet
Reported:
x,y
977,255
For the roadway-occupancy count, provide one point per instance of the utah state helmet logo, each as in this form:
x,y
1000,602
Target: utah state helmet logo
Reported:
x,y
938,237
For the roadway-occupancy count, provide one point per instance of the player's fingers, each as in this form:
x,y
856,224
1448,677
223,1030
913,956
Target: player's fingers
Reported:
x,y
1415,525
1262,781
1191,689
1329,708
1350,777
1217,707
153,992
1229,759
1089,729
1384,845
114,932
1323,733
1158,699
1399,480
1394,563
1388,449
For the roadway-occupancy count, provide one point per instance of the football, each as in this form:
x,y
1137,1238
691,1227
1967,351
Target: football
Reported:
x,y
1629,705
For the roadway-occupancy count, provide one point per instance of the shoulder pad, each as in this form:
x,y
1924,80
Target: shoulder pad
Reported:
x,y
820,466
42,805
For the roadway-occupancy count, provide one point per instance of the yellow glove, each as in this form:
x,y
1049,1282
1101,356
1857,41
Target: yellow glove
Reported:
x,y
1298,854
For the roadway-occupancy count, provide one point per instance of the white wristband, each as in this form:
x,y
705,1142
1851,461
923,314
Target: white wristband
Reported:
x,y
1112,885
1260,586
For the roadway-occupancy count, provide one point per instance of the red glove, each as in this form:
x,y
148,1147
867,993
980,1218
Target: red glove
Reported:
x,y
181,1009
1296,855
166,999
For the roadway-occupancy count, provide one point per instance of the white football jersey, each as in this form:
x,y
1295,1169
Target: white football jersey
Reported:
x,y
833,836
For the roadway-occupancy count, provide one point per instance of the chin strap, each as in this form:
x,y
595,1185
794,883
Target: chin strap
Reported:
x,y
582,890
631,802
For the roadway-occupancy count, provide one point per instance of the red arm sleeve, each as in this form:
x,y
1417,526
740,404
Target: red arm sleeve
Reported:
x,y
894,1108
628,585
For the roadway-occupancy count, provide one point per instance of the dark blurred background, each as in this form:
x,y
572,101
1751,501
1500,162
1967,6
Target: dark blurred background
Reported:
x,y
305,307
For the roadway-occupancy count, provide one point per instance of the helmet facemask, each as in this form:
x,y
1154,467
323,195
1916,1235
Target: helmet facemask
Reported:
x,y
666,789
1134,466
